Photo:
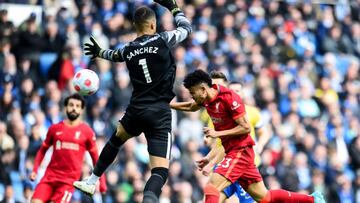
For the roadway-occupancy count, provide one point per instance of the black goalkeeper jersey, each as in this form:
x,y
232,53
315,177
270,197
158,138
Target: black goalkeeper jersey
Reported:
x,y
151,64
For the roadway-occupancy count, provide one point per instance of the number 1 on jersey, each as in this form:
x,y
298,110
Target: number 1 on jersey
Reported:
x,y
142,62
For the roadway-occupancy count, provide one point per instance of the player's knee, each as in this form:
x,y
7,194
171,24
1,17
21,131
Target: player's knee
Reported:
x,y
161,172
263,198
210,189
155,183
121,133
115,141
223,197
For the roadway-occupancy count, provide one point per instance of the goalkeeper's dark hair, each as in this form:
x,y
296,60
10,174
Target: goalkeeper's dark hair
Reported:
x,y
197,77
218,75
141,17
76,97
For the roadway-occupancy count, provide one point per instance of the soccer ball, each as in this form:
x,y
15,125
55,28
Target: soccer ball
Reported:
x,y
86,82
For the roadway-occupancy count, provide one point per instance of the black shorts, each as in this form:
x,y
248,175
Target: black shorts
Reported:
x,y
155,122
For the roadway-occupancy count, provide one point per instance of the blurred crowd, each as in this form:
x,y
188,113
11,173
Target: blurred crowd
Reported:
x,y
298,62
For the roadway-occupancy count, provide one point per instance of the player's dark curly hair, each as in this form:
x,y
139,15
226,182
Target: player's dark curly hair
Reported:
x,y
197,77
142,15
76,97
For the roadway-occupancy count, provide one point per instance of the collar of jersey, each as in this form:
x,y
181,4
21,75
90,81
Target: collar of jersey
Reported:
x,y
217,87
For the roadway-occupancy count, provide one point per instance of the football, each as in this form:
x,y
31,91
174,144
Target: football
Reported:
x,y
86,82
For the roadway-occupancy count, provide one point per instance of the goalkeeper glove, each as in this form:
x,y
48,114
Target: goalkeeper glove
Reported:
x,y
92,50
169,4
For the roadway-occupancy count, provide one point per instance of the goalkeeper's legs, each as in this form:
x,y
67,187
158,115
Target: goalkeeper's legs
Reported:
x,y
107,156
110,150
159,174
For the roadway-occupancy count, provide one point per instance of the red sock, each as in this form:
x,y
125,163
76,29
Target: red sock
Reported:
x,y
212,195
283,196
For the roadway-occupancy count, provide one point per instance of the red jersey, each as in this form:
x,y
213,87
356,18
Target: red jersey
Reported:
x,y
69,145
224,109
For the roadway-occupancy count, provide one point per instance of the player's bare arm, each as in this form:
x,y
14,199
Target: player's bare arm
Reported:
x,y
38,159
217,151
263,138
207,163
212,155
185,106
243,128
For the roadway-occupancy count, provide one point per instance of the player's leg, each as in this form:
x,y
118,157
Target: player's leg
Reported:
x,y
107,156
63,193
251,181
127,128
213,188
227,192
255,187
157,127
238,191
42,193
111,149
259,192
223,176
159,175
242,195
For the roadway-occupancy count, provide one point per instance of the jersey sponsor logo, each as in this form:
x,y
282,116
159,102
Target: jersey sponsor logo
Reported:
x,y
216,120
66,145
142,50
235,105
59,133
77,135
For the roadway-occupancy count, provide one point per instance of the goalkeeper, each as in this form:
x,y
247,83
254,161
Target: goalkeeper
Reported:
x,y
152,71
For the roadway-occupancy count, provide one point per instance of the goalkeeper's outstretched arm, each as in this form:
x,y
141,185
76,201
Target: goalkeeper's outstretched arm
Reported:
x,y
94,50
183,25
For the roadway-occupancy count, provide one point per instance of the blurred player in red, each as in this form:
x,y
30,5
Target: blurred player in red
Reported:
x,y
227,111
70,139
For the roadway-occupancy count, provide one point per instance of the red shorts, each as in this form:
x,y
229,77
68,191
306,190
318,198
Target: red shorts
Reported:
x,y
58,192
238,165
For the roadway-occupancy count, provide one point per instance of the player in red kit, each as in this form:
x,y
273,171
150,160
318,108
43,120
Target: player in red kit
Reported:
x,y
227,111
70,139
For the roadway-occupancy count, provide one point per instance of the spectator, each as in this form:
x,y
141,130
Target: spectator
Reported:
x,y
30,42
336,42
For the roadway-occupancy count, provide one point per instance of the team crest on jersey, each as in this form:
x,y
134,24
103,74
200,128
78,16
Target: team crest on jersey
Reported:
x,y
77,135
217,107
58,145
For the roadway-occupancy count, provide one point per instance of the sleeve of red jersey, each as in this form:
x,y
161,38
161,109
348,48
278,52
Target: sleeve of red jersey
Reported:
x,y
44,147
235,105
49,137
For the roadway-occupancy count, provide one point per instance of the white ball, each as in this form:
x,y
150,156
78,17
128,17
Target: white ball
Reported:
x,y
86,82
